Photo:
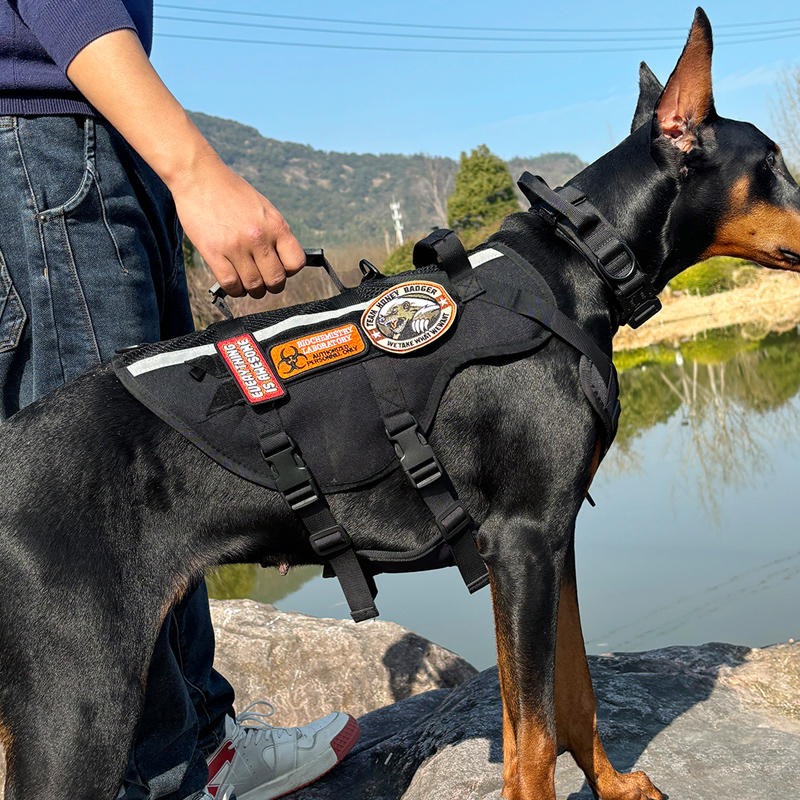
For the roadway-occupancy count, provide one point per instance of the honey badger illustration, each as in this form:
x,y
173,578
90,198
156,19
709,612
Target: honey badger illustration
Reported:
x,y
407,318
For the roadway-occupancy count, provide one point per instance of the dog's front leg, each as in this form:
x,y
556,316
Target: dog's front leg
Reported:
x,y
525,561
576,717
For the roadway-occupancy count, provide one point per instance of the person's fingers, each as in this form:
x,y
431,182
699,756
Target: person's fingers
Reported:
x,y
290,253
272,270
226,275
250,275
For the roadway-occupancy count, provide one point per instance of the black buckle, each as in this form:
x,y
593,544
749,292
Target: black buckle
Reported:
x,y
453,520
292,477
641,304
327,542
416,456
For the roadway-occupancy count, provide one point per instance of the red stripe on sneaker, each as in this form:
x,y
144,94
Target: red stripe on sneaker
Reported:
x,y
224,756
343,742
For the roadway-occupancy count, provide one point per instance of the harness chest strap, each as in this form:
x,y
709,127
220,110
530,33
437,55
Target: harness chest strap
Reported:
x,y
327,537
426,474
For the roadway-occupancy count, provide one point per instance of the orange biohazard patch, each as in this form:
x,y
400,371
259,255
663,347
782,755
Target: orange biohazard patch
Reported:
x,y
316,350
250,368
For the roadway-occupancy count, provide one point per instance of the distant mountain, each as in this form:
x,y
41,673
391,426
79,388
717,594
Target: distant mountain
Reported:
x,y
343,198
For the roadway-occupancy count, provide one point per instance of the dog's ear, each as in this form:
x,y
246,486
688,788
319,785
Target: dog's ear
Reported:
x,y
687,99
650,89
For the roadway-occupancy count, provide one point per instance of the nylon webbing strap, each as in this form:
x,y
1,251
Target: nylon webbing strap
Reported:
x,y
582,226
537,308
328,539
445,246
426,474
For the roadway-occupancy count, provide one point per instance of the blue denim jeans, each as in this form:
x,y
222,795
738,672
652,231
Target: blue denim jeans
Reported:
x,y
91,261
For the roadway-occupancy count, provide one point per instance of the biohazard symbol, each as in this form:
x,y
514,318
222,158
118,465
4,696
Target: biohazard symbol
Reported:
x,y
290,360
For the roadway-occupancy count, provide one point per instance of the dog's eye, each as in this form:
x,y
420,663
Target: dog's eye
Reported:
x,y
771,160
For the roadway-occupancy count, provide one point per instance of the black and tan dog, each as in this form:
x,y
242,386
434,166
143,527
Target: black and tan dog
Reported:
x,y
108,514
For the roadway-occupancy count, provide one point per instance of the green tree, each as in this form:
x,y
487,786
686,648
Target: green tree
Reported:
x,y
399,260
484,192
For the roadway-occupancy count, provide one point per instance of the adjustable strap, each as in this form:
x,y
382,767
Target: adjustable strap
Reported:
x,y
583,227
328,539
538,308
426,473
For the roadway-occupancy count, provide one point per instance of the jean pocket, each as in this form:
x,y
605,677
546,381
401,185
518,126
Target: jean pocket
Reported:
x,y
12,312
72,204
87,175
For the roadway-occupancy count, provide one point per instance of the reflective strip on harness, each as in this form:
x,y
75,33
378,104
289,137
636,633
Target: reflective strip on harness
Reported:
x,y
182,356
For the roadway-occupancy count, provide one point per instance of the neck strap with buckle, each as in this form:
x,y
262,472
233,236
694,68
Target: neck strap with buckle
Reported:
x,y
585,229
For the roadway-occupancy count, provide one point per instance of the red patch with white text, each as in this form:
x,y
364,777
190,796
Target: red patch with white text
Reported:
x,y
248,365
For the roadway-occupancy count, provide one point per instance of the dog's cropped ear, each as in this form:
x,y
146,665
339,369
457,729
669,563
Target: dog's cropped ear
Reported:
x,y
650,89
687,99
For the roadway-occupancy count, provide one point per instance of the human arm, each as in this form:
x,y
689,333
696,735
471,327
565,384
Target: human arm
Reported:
x,y
242,237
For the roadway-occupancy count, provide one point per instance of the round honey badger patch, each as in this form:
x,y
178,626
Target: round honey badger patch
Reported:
x,y
409,316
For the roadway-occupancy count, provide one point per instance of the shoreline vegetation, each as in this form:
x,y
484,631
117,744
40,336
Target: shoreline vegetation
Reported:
x,y
769,303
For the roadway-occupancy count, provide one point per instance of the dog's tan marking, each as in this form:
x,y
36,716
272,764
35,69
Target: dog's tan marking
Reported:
x,y
576,718
508,691
7,745
536,774
529,748
756,230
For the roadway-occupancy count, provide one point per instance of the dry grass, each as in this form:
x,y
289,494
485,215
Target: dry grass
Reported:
x,y
772,303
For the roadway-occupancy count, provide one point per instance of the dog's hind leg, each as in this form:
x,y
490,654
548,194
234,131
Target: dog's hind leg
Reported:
x,y
74,670
576,718
69,723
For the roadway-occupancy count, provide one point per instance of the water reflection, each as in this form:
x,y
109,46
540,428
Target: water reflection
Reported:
x,y
252,581
722,384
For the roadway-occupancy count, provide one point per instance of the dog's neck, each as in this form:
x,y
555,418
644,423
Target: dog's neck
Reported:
x,y
644,201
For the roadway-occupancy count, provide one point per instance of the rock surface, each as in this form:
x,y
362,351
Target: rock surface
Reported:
x,y
709,722
307,667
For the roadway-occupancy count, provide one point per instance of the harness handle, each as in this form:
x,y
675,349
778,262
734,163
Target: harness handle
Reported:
x,y
315,257
443,245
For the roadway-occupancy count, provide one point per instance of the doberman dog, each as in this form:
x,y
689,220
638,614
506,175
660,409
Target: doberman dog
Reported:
x,y
101,528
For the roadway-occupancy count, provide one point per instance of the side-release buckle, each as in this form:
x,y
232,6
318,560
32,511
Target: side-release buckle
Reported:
x,y
292,478
416,456
641,304
329,541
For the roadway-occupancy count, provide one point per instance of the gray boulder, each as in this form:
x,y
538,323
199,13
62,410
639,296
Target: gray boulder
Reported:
x,y
705,723
307,667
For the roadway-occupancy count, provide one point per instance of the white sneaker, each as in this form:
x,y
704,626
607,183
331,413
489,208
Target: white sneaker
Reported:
x,y
259,762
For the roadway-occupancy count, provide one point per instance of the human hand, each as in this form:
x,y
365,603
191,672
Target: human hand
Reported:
x,y
241,236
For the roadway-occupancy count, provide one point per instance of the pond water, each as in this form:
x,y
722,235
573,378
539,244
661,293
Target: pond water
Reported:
x,y
695,536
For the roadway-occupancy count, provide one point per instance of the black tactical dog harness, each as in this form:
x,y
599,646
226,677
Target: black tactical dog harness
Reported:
x,y
336,394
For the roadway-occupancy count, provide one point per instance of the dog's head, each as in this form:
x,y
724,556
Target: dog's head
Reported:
x,y
736,196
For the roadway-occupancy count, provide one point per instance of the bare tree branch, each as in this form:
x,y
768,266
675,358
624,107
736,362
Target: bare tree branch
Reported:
x,y
786,114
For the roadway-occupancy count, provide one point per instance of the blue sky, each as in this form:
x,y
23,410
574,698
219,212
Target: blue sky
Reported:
x,y
443,103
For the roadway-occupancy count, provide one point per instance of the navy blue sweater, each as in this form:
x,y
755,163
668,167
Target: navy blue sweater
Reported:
x,y
38,40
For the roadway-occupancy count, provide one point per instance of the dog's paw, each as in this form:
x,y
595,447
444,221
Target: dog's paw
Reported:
x,y
630,786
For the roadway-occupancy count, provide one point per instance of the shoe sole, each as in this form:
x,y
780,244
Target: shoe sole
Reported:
x,y
341,745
